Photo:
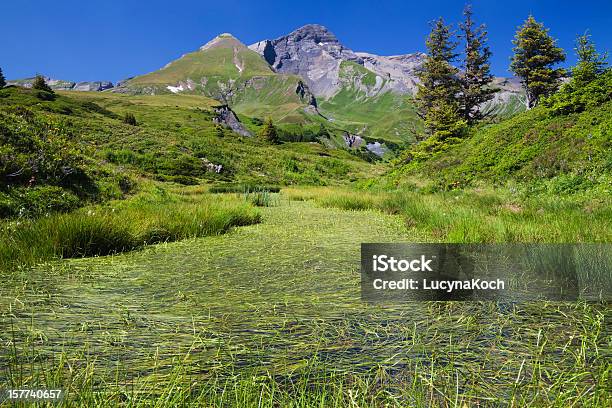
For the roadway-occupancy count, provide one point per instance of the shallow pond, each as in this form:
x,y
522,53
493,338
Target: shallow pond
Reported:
x,y
273,296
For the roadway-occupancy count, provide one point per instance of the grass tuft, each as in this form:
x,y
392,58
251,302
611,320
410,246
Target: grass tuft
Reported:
x,y
148,218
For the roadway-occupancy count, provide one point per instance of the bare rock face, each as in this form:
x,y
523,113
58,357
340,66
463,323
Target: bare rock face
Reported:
x,y
226,117
399,70
352,141
55,84
377,148
95,86
313,52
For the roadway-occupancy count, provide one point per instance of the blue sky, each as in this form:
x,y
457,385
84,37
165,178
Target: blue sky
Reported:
x,y
114,39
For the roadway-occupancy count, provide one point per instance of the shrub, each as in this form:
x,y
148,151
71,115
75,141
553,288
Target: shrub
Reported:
x,y
262,198
41,200
574,97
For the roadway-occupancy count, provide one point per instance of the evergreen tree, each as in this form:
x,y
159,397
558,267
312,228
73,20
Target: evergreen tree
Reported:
x,y
477,77
130,119
535,54
437,93
268,132
2,79
590,62
323,132
589,86
40,84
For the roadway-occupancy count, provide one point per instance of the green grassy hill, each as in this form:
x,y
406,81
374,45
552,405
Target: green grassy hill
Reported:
x,y
224,57
226,70
545,148
364,106
76,146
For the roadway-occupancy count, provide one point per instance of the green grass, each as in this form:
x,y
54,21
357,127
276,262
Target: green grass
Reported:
x,y
385,117
147,218
270,315
317,383
83,135
242,188
172,138
478,215
541,151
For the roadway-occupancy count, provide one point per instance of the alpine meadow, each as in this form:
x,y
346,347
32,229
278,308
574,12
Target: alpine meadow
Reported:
x,y
191,236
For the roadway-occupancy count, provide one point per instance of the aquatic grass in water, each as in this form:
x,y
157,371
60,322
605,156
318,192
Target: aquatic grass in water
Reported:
x,y
475,216
243,320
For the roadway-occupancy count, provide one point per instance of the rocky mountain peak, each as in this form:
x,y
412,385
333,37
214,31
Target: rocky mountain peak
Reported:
x,y
311,51
314,32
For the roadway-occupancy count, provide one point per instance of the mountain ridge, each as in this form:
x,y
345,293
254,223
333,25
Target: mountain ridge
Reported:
x,y
306,77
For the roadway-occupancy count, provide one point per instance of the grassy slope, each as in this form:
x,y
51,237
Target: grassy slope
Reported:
x,y
557,154
45,163
378,116
175,133
173,129
256,89
218,61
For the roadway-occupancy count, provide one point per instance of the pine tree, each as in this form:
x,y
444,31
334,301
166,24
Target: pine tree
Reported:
x,y
590,62
40,84
2,79
476,79
535,54
323,132
130,119
437,93
268,132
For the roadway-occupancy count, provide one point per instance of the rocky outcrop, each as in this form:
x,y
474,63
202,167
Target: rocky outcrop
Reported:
x,y
313,52
509,100
96,86
377,148
210,166
61,85
400,71
226,117
305,95
352,141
